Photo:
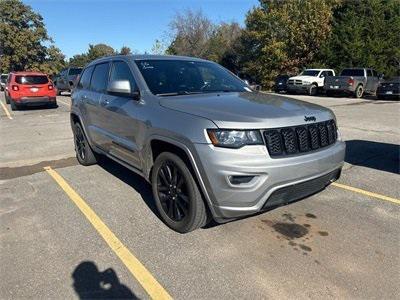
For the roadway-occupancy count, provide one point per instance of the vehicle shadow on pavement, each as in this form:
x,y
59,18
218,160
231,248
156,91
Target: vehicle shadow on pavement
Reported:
x,y
90,283
374,155
132,179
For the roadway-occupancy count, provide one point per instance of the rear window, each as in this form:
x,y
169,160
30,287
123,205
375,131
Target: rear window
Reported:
x,y
74,71
32,79
352,72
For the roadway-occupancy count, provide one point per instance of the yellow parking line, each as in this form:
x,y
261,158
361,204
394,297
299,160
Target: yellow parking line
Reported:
x,y
370,194
138,270
6,110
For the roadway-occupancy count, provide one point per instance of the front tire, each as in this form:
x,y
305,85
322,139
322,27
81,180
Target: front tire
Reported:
x,y
84,153
177,196
313,90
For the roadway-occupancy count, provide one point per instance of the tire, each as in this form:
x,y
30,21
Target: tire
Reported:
x,y
52,105
84,153
359,92
7,99
14,106
313,90
329,94
177,196
58,92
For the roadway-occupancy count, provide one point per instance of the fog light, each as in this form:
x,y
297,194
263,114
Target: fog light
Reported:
x,y
240,179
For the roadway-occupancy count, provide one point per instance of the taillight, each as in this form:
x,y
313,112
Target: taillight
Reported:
x,y
51,87
350,81
15,88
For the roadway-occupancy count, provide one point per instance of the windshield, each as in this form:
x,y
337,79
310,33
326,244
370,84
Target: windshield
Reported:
x,y
74,71
3,78
32,79
176,77
310,73
352,72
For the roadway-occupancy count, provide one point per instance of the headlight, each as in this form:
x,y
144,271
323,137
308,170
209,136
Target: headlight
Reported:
x,y
234,138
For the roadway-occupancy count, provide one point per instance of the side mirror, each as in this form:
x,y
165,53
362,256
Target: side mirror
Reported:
x,y
122,88
381,76
246,82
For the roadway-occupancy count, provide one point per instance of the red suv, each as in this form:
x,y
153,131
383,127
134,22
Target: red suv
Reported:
x,y
29,88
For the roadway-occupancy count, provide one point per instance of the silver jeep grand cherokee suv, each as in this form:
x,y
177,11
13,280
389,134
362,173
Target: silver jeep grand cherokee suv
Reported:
x,y
209,145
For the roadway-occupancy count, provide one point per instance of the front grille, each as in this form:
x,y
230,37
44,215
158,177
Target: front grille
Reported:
x,y
286,141
295,81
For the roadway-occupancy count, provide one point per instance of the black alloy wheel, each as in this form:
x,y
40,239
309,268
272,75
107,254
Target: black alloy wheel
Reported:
x,y
172,191
176,194
84,153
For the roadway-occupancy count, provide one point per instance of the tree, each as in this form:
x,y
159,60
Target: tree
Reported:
x,y
158,48
99,50
224,46
23,37
365,34
191,32
125,50
94,52
54,62
284,36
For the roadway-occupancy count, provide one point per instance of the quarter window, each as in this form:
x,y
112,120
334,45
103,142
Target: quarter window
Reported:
x,y
100,77
85,78
121,71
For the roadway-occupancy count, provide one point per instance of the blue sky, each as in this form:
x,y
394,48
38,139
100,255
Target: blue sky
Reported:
x,y
137,24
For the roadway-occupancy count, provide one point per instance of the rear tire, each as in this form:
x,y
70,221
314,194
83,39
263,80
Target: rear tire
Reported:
x,y
84,153
14,106
359,92
177,196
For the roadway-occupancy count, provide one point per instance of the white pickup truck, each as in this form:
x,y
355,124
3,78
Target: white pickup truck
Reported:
x,y
309,81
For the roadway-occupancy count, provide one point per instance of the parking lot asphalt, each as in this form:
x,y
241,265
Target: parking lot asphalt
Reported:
x,y
340,243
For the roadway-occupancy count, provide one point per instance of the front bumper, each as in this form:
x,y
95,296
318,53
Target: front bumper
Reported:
x,y
230,201
298,87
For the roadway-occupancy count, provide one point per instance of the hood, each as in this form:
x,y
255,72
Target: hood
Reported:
x,y
248,109
304,78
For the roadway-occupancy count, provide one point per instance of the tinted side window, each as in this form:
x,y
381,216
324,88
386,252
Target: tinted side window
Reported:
x,y
85,78
329,73
121,71
100,77
369,73
374,73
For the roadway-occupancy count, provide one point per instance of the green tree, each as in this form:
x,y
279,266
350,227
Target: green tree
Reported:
x,y
158,47
365,34
284,36
94,52
23,39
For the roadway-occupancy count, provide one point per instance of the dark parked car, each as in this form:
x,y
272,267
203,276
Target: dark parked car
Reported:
x,y
65,81
281,83
389,89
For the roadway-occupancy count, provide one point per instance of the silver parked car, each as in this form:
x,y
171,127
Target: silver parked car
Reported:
x,y
209,145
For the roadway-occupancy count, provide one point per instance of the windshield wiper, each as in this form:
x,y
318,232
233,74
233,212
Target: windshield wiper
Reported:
x,y
177,93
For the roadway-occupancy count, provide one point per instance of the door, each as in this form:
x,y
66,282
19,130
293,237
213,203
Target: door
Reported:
x,y
95,113
369,87
375,84
119,117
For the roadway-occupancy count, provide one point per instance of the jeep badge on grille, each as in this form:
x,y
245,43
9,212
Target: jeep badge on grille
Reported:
x,y
309,119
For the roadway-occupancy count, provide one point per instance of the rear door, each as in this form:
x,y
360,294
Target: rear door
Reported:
x,y
33,85
375,81
119,117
